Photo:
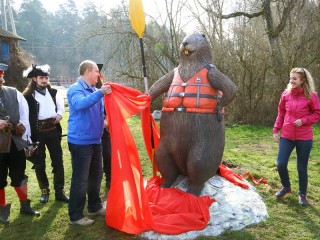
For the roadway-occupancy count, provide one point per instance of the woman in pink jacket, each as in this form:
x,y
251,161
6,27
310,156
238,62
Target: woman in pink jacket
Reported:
x,y
298,109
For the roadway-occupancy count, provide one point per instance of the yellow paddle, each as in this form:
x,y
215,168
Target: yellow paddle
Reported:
x,y
138,24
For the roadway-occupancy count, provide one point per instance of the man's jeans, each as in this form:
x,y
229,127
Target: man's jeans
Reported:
x,y
303,149
86,178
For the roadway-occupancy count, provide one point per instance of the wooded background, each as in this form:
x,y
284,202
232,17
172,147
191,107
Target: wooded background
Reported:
x,y
254,42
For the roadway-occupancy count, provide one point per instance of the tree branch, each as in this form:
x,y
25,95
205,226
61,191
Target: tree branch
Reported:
x,y
286,13
236,14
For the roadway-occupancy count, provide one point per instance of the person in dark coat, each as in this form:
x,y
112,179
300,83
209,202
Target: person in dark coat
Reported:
x,y
106,143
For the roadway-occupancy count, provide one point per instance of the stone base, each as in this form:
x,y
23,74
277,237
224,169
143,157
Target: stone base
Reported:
x,y
234,209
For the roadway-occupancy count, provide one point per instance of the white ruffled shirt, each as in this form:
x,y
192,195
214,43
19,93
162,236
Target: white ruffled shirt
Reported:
x,y
47,109
24,115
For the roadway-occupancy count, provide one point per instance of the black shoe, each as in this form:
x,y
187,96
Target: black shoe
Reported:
x,y
283,192
5,213
44,198
60,196
26,209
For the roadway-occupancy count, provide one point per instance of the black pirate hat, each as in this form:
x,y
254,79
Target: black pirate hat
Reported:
x,y
35,70
100,66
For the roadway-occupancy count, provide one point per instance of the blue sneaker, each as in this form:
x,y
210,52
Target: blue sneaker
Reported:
x,y
283,192
303,200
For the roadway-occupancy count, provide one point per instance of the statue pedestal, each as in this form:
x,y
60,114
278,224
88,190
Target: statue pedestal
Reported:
x,y
234,209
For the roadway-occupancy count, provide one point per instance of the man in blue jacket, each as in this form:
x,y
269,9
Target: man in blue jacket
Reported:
x,y
85,129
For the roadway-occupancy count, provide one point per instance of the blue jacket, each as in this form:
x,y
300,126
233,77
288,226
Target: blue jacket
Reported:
x,y
86,114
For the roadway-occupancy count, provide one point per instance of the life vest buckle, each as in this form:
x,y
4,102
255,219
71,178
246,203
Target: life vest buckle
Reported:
x,y
180,109
184,84
181,94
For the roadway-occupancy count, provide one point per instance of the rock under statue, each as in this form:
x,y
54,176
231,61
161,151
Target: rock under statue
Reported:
x,y
192,135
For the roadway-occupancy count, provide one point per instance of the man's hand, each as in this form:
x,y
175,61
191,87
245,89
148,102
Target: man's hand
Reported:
x,y
30,149
20,129
58,119
106,89
3,124
105,125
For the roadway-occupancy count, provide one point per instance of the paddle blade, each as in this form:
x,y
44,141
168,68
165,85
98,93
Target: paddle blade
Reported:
x,y
136,15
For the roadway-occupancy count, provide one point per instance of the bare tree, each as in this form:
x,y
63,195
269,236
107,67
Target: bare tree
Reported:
x,y
256,45
251,44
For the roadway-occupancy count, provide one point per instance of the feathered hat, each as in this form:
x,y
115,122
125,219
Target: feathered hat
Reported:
x,y
35,70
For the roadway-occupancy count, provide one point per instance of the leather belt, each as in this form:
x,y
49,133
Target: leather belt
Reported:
x,y
46,125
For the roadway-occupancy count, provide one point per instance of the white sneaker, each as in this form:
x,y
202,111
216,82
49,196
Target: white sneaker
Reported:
x,y
100,212
83,222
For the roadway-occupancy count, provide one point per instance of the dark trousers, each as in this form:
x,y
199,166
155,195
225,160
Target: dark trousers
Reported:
x,y
303,149
52,140
14,165
106,155
86,179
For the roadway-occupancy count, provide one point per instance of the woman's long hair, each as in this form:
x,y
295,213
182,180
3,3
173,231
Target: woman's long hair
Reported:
x,y
308,83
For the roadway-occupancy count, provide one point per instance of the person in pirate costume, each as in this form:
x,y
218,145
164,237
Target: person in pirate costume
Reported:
x,y
106,143
46,108
14,133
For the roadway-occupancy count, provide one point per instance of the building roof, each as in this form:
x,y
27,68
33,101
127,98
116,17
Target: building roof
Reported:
x,y
7,34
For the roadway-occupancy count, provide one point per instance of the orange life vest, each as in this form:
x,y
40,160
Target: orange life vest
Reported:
x,y
195,95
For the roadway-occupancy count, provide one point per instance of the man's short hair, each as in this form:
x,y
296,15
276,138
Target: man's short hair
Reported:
x,y
86,64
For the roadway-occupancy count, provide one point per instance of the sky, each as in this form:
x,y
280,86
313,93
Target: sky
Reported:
x,y
152,8
53,5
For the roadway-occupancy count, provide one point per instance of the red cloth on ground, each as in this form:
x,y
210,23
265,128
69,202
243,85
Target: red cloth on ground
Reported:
x,y
131,208
257,182
228,174
175,211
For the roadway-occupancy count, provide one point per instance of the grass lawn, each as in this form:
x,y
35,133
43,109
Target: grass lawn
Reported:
x,y
248,149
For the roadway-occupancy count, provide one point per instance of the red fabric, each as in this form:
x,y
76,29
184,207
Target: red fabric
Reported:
x,y
151,136
127,206
257,182
172,209
228,174
237,179
2,197
131,208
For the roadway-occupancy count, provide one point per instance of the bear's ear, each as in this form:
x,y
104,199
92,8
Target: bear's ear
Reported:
x,y
204,36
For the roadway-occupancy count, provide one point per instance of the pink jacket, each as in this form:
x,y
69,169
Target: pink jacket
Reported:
x,y
293,106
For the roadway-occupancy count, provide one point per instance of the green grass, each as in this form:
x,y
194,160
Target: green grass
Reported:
x,y
248,148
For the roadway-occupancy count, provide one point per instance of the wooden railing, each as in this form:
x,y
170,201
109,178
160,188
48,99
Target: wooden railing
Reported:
x,y
62,80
